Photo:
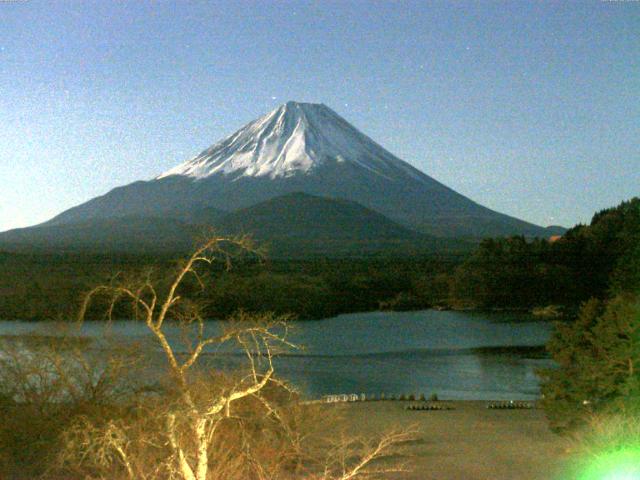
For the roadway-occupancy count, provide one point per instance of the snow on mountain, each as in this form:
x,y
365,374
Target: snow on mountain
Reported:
x,y
302,147
295,138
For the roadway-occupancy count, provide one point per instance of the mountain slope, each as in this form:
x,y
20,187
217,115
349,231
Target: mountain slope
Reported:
x,y
302,225
302,147
304,216
295,225
132,233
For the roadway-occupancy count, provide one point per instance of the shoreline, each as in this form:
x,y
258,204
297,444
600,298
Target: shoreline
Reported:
x,y
404,403
498,311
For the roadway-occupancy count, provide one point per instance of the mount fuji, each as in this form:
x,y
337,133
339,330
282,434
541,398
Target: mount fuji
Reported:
x,y
299,148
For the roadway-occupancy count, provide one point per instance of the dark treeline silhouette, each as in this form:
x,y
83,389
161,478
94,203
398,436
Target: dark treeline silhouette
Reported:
x,y
502,273
41,287
586,262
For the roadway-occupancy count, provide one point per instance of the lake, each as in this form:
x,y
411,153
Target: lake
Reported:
x,y
458,355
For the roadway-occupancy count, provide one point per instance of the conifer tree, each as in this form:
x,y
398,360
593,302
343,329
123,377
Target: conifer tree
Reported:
x,y
598,358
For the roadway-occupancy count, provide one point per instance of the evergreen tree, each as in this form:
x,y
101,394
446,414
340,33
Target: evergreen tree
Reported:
x,y
598,358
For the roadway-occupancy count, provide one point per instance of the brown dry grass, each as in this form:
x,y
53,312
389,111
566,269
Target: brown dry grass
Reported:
x,y
469,442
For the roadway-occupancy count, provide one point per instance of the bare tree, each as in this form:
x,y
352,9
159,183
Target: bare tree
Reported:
x,y
365,458
259,339
206,427
46,382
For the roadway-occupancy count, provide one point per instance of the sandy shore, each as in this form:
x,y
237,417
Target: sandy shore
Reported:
x,y
469,442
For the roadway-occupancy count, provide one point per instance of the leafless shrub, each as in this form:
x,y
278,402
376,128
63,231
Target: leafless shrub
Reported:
x,y
203,421
366,458
45,382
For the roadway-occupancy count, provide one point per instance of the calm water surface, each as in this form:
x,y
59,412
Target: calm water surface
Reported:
x,y
452,354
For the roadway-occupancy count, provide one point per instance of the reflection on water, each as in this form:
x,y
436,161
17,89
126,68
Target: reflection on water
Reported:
x,y
463,376
452,354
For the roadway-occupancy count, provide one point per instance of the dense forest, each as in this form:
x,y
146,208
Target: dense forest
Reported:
x,y
501,273
598,353
41,287
584,263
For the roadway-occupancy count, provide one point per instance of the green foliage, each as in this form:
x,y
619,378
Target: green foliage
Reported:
x,y
503,273
47,286
307,296
588,261
433,289
322,288
598,358
516,273
626,276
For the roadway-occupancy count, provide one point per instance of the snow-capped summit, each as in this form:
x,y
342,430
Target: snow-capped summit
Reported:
x,y
295,138
308,148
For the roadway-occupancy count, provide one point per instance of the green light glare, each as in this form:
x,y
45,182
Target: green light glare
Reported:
x,y
619,465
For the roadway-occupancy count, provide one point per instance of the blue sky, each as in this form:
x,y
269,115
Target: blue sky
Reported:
x,y
530,108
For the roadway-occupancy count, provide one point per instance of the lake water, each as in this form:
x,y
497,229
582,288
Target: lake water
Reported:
x,y
454,354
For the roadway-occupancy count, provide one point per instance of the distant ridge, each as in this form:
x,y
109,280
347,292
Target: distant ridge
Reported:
x,y
119,234
292,225
300,215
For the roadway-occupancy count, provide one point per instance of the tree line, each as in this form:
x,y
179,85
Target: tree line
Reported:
x,y
501,273
42,287
596,380
587,262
